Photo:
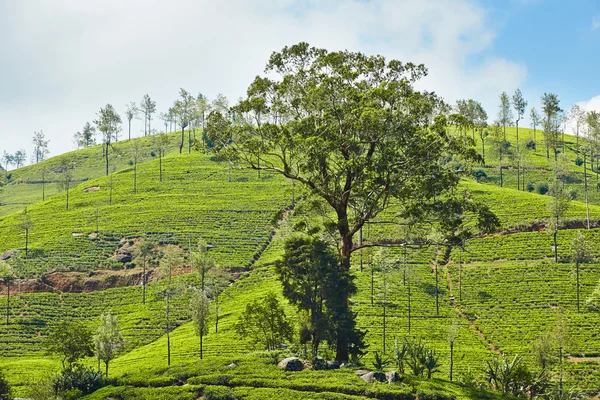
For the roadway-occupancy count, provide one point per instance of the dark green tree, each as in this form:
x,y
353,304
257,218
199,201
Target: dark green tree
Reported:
x,y
312,278
353,130
71,341
109,125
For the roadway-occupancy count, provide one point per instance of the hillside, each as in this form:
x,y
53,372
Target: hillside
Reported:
x,y
501,293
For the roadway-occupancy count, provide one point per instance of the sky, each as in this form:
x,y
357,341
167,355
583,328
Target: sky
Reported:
x,y
62,60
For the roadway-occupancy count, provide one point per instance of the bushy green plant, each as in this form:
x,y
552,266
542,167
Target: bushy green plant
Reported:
x,y
480,175
593,301
430,360
5,390
76,380
380,361
218,393
542,188
531,145
400,355
530,187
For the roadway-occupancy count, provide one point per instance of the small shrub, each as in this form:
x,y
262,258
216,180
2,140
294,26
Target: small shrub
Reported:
x,y
579,161
572,194
542,188
530,187
480,175
5,391
380,362
218,393
531,145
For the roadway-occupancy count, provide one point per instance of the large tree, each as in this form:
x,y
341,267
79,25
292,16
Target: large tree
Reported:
x,y
108,340
40,147
577,115
352,129
519,104
109,125
19,158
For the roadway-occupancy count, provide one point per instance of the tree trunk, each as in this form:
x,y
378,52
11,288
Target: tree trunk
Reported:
x,y
201,346
534,138
135,176
585,189
160,157
182,139
106,364
106,157
7,299
217,313
26,241
460,275
144,282
67,196
437,291
408,294
451,358
483,148
167,326
372,284
517,125
129,129
555,244
189,141
577,279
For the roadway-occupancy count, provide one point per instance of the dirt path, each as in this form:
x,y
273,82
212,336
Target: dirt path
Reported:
x,y
460,312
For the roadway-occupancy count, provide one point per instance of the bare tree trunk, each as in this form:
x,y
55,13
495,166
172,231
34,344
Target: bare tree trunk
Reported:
x,y
577,279
585,189
182,139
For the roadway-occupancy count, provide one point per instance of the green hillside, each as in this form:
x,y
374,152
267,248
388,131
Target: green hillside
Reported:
x,y
506,292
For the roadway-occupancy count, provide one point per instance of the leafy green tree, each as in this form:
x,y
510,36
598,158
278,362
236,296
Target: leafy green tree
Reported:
x,y
137,153
354,139
26,224
481,125
7,274
144,252
8,160
577,115
131,111
161,143
71,341
505,113
108,340
40,146
558,204
66,168
310,274
109,125
202,262
200,308
148,107
520,105
19,158
170,259
184,108
264,323
535,118
86,137
551,109
580,250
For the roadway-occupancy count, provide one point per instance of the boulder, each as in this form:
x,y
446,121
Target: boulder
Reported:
x,y
232,365
7,254
374,376
392,376
124,257
333,364
291,364
348,365
319,363
361,372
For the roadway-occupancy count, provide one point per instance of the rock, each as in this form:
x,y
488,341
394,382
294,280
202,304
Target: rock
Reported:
x,y
291,364
392,376
333,365
348,365
7,254
319,363
91,189
374,376
361,372
232,365
123,257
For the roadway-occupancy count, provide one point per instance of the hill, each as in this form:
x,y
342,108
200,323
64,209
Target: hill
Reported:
x,y
501,293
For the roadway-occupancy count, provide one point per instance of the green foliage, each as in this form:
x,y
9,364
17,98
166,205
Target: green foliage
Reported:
x,y
71,341
313,280
108,340
5,390
380,361
264,323
75,381
542,188
219,393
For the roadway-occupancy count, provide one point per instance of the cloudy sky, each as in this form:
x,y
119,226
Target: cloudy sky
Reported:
x,y
61,60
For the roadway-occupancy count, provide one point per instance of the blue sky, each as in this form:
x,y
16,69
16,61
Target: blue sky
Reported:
x,y
63,60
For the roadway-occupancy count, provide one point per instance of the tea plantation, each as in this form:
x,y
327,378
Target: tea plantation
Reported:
x,y
498,295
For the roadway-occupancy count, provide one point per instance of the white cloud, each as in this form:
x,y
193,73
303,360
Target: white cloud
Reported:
x,y
63,60
595,22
